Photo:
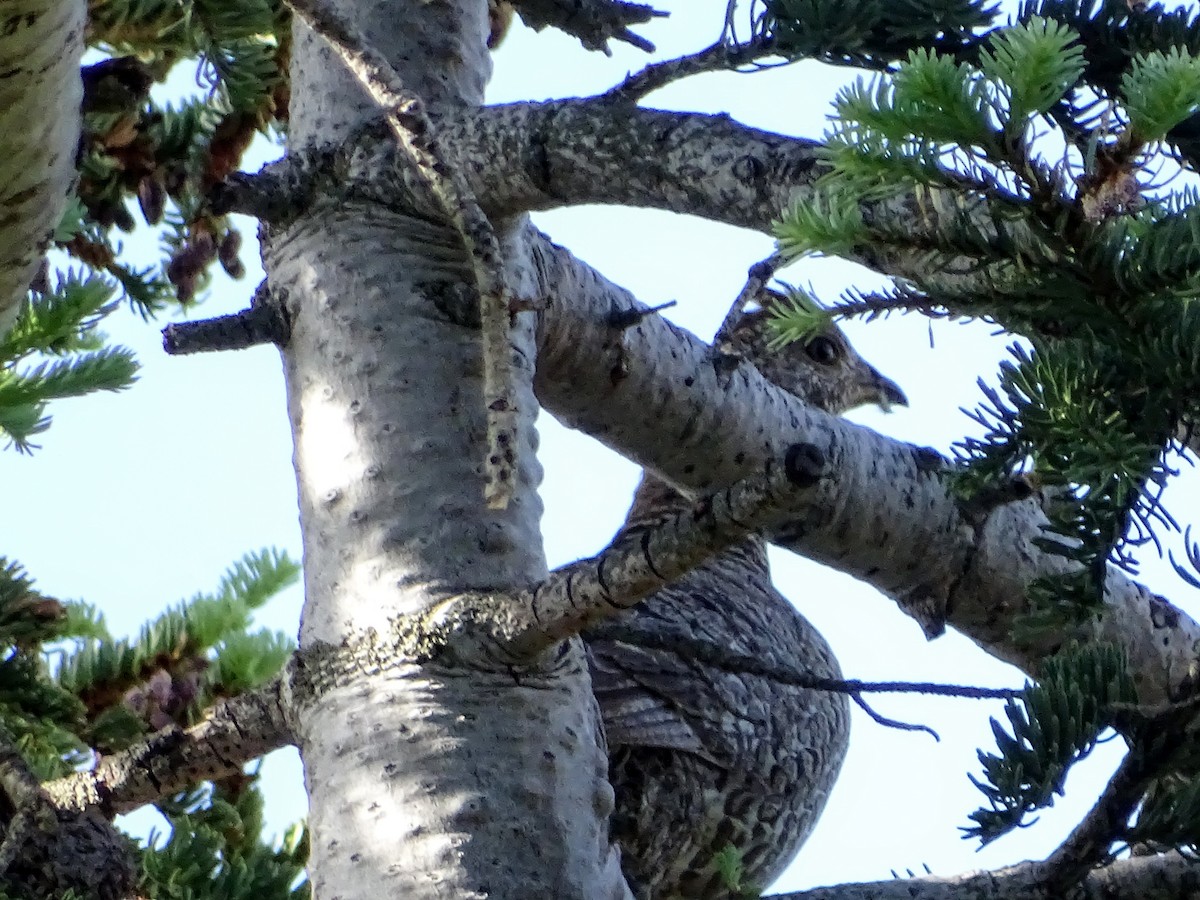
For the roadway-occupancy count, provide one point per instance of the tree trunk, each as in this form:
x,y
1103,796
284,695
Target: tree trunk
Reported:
x,y
41,42
461,777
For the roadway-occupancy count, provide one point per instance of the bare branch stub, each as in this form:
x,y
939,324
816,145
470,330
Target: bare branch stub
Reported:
x,y
757,277
277,194
265,322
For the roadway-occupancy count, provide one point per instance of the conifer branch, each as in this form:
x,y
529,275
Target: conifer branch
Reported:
x,y
417,138
869,34
975,571
232,733
580,595
640,562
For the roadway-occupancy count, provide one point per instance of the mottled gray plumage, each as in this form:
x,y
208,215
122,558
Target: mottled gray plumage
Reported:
x,y
702,760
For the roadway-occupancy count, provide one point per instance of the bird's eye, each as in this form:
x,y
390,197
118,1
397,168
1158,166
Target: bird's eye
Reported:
x,y
822,350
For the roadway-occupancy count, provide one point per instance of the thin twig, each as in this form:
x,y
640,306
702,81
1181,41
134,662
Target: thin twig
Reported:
x,y
721,657
880,719
720,56
756,279
414,133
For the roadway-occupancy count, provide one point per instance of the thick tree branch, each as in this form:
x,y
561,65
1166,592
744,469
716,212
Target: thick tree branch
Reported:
x,y
234,732
1144,878
41,43
547,155
514,630
884,514
561,153
525,157
580,595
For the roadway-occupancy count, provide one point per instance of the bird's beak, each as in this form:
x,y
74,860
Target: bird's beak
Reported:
x,y
886,393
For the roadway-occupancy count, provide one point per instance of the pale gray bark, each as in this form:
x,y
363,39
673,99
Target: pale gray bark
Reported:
x,y
882,514
41,43
430,780
656,394
530,156
434,778
1144,878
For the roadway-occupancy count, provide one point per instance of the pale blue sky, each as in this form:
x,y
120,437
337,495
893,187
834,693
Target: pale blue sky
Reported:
x,y
141,499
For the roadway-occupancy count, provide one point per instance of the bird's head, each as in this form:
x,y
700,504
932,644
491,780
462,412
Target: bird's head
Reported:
x,y
823,370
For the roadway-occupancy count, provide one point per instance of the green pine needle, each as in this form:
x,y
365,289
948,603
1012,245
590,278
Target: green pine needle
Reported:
x,y
1037,62
1159,91
23,395
185,631
828,222
872,33
796,318
245,661
940,100
111,369
59,322
1056,723
257,577
1169,818
214,852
